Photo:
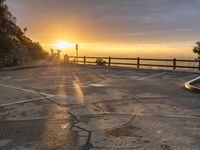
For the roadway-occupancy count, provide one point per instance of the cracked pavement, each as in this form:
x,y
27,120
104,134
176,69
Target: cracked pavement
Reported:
x,y
90,107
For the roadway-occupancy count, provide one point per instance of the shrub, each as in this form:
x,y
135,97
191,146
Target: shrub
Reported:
x,y
101,62
196,50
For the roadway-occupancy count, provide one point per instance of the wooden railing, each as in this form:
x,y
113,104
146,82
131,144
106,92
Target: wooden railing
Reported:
x,y
141,62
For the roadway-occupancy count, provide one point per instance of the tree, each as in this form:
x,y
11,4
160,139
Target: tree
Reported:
x,y
196,49
15,47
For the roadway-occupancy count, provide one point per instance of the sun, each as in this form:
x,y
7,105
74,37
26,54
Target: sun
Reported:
x,y
62,45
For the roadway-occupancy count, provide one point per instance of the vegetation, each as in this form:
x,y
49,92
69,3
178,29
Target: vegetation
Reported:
x,y
15,47
196,49
101,62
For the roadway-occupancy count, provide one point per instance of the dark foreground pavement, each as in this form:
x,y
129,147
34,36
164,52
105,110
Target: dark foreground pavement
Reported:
x,y
67,108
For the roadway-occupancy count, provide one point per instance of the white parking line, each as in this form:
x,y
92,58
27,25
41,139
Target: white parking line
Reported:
x,y
26,90
25,101
155,75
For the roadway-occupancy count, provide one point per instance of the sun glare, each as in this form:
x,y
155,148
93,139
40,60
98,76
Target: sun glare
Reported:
x,y
62,45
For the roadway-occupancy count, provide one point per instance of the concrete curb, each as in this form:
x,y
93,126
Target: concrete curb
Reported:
x,y
189,86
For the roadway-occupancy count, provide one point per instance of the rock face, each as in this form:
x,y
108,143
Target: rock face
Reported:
x,y
15,47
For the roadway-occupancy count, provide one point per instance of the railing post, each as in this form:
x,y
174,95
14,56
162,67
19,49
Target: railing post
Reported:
x,y
109,61
174,64
199,64
138,62
84,60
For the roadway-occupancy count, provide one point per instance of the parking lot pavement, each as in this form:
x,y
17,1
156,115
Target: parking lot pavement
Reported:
x,y
98,108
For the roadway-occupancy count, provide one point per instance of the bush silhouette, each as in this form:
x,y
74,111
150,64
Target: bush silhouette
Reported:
x,y
101,62
196,49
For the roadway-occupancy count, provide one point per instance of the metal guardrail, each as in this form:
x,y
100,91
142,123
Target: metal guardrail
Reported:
x,y
141,62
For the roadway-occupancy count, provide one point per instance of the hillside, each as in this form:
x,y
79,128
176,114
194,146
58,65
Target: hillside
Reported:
x,y
15,47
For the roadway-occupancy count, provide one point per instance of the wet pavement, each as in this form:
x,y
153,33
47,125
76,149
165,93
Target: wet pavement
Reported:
x,y
69,108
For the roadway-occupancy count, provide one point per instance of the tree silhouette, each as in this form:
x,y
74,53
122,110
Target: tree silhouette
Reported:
x,y
15,46
196,49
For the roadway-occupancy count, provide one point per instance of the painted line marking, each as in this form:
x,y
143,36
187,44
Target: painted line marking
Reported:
x,y
25,101
26,90
155,75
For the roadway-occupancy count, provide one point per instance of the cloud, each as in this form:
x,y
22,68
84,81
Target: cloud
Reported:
x,y
117,20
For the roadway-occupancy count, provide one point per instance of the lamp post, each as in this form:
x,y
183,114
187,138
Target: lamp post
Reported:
x,y
77,53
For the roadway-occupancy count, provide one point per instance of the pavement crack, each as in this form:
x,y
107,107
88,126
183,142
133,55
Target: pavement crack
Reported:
x,y
111,128
87,145
61,106
81,128
123,125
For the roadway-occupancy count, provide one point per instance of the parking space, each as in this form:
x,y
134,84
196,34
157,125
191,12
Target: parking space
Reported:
x,y
87,107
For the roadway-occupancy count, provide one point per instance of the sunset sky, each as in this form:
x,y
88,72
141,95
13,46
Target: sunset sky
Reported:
x,y
146,28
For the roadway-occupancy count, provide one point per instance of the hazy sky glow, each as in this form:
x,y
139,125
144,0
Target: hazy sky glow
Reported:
x,y
106,27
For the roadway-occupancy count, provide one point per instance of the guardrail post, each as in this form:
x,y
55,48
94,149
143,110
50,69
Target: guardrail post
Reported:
x,y
138,62
84,60
174,64
199,64
109,61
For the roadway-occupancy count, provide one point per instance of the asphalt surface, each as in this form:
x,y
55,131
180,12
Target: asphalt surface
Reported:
x,y
69,108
